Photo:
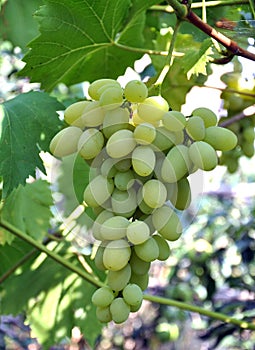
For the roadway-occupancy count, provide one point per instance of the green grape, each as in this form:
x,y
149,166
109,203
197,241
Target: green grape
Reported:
x,y
138,266
103,314
176,164
114,120
120,144
141,280
154,193
73,113
108,168
152,108
111,98
102,297
117,280
90,143
164,249
135,91
132,294
116,254
164,139
114,228
94,88
93,115
143,160
136,120
119,310
141,203
249,134
221,139
124,180
167,223
99,257
248,149
174,121
124,202
195,128
203,155
145,133
179,137
101,218
123,164
135,308
148,250
65,142
98,191
138,232
208,116
183,195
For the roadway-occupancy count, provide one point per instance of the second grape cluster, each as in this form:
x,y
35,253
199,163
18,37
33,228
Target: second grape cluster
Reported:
x,y
140,154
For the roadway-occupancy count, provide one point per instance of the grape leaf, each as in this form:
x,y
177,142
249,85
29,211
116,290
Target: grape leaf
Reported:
x,y
28,208
27,124
83,40
22,28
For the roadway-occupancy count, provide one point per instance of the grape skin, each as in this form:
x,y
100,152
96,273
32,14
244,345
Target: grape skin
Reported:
x,y
58,145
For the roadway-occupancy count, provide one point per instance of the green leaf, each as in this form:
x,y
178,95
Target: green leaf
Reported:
x,y
83,40
28,208
27,124
196,60
21,28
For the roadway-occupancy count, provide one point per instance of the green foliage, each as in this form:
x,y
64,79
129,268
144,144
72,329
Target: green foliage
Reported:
x,y
19,14
28,208
28,123
87,48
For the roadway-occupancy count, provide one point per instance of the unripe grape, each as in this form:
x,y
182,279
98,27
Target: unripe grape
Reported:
x,y
124,202
183,197
120,144
117,280
98,191
124,180
114,120
208,116
90,143
141,280
167,223
119,310
93,114
164,139
101,218
145,133
143,160
176,164
111,98
108,168
249,134
154,193
116,254
248,149
73,113
203,155
102,297
152,108
135,91
114,228
164,249
138,266
132,294
195,128
93,89
148,250
99,257
65,141
103,314
174,121
123,164
137,232
221,139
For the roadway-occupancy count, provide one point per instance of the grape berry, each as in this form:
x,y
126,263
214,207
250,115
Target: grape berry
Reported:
x,y
141,155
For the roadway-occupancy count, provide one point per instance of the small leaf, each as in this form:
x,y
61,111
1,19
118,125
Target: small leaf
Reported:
x,y
28,208
27,124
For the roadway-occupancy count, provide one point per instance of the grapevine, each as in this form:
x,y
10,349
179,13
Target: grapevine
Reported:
x,y
141,154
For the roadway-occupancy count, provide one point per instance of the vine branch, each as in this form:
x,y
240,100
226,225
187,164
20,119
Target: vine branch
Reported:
x,y
232,47
156,299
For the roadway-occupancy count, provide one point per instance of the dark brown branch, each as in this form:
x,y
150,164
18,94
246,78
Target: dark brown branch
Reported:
x,y
248,112
229,44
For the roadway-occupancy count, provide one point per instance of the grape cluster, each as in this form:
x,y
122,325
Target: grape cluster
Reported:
x,y
140,154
